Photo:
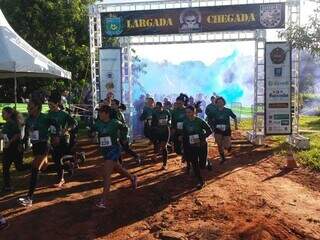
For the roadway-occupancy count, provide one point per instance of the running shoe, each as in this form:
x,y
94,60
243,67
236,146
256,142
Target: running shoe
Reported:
x,y
26,202
60,184
200,185
134,182
82,157
209,166
164,167
222,160
138,160
3,224
101,205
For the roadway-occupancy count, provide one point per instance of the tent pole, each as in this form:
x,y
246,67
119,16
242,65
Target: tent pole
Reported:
x,y
15,87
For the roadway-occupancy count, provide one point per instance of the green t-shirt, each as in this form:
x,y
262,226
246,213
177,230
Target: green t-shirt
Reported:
x,y
63,119
161,119
109,132
146,115
10,129
178,117
38,128
210,111
195,131
221,119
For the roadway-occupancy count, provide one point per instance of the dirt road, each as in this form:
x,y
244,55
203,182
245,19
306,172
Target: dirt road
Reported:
x,y
249,197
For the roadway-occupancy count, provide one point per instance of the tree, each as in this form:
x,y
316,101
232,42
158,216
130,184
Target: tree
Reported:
x,y
306,37
59,30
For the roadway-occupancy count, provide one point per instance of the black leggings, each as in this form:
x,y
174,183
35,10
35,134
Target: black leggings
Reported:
x,y
126,148
197,156
13,154
178,145
57,153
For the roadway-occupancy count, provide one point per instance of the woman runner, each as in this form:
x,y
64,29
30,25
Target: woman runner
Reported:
x,y
221,126
108,133
37,128
195,133
124,139
161,128
13,150
61,148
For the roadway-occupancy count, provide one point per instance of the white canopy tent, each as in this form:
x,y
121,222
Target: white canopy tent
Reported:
x,y
19,59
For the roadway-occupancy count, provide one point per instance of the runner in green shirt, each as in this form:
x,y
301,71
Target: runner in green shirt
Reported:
x,y
124,139
161,128
37,129
146,117
222,128
210,111
195,134
13,151
108,133
60,149
178,117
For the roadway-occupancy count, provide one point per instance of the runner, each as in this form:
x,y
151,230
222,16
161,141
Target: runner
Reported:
x,y
60,148
195,133
178,116
210,111
146,117
221,126
161,127
108,133
37,128
13,150
124,139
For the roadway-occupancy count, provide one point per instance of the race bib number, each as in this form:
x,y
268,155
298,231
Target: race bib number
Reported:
x,y
52,130
163,121
221,127
5,138
34,135
105,142
180,125
148,122
194,139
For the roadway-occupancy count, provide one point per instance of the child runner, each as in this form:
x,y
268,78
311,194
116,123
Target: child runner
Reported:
x,y
13,151
61,148
37,128
195,133
161,128
221,126
124,139
108,133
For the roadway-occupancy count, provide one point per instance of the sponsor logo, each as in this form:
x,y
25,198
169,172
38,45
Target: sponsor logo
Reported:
x,y
278,94
114,26
278,83
271,15
278,55
190,21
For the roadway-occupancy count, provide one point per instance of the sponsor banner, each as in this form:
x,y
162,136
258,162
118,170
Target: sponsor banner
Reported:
x,y
278,118
110,72
193,20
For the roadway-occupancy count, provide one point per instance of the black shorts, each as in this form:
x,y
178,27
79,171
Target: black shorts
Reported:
x,y
227,132
40,148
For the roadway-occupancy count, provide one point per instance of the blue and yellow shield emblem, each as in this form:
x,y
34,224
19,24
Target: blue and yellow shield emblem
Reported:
x,y
114,26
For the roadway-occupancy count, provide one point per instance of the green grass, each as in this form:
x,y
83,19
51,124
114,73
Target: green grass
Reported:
x,y
309,125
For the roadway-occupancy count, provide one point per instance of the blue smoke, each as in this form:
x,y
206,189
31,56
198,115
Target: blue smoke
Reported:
x,y
230,77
